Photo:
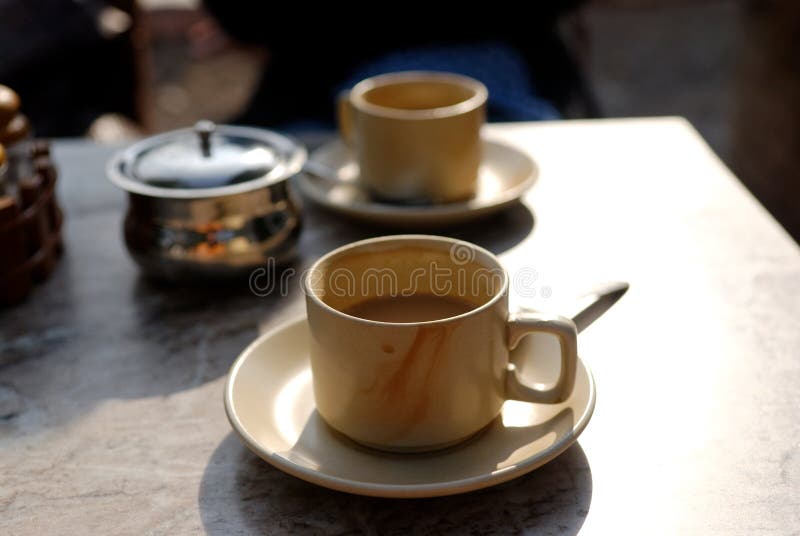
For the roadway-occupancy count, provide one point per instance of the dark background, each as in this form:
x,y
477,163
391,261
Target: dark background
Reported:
x,y
731,67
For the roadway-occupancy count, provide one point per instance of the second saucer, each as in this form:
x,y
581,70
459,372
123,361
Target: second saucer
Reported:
x,y
505,174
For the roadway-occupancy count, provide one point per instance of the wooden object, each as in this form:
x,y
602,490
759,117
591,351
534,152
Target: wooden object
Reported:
x,y
18,129
30,230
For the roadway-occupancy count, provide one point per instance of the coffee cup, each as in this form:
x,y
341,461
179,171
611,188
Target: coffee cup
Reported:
x,y
415,135
410,342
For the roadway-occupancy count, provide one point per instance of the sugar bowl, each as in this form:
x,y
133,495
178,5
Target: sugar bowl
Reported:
x,y
209,201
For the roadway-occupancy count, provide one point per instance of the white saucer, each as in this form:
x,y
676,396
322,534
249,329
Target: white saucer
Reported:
x,y
505,174
270,403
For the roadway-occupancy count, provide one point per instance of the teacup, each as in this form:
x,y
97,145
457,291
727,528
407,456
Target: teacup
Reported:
x,y
410,342
416,135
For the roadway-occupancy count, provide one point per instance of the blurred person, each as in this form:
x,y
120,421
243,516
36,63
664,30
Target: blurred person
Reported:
x,y
316,51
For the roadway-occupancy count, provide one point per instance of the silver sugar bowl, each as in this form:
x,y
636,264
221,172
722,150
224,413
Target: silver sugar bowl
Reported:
x,y
212,201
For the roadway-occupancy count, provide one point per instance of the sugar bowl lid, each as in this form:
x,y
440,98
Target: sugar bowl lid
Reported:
x,y
206,161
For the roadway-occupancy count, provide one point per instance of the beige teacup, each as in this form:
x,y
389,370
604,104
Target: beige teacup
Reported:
x,y
410,341
416,135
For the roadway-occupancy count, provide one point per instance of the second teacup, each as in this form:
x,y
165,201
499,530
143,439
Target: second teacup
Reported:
x,y
416,134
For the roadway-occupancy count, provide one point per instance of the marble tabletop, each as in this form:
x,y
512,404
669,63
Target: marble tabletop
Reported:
x,y
111,415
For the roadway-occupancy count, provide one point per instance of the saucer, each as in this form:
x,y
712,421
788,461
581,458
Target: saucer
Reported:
x,y
270,404
505,174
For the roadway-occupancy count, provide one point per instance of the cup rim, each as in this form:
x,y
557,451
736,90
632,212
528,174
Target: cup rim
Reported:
x,y
409,238
479,97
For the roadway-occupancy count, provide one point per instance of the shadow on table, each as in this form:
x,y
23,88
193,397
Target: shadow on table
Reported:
x,y
326,230
241,493
500,232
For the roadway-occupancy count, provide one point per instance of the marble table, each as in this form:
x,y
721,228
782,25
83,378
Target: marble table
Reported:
x,y
111,417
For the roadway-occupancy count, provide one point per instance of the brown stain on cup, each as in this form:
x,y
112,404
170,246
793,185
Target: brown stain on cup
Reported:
x,y
403,397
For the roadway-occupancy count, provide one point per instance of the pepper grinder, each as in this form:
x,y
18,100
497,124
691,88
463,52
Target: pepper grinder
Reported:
x,y
15,131
30,218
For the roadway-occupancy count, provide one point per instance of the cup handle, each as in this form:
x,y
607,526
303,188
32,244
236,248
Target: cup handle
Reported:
x,y
529,322
344,115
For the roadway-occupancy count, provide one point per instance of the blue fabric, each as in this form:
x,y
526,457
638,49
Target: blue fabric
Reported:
x,y
512,94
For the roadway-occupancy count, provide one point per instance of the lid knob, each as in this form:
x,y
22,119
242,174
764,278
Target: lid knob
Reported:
x,y
204,129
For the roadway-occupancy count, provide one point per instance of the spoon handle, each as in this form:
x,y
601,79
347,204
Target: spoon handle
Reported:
x,y
596,302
